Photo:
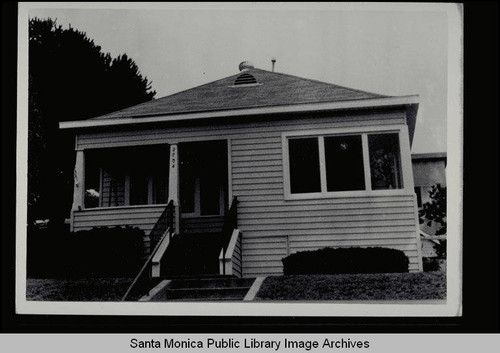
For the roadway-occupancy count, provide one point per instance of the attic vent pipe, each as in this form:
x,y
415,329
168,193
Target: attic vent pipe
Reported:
x,y
245,65
273,60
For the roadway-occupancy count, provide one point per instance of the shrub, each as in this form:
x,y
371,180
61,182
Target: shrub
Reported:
x,y
100,252
346,260
430,264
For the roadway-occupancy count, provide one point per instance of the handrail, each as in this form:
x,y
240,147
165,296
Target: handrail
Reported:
x,y
161,229
433,238
230,223
165,221
226,265
232,243
145,266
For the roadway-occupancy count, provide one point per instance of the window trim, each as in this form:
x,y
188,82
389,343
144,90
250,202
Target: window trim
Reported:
x,y
363,131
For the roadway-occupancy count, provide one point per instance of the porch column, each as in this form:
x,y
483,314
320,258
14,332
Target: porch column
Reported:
x,y
79,182
173,183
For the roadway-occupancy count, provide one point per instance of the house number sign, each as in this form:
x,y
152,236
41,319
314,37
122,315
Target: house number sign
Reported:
x,y
173,157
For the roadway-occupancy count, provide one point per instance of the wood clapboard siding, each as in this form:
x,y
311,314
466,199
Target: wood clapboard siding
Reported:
x,y
264,217
346,222
253,131
143,217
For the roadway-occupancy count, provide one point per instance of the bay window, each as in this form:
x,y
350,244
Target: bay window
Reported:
x,y
326,164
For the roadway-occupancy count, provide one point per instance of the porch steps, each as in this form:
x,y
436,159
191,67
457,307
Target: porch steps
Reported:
x,y
204,289
193,254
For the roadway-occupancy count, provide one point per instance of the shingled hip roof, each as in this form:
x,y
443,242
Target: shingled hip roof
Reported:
x,y
271,90
250,92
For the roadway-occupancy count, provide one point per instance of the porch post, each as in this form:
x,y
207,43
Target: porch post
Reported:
x,y
173,183
79,182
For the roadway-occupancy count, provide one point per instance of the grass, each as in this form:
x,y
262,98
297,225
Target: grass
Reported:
x,y
82,289
380,286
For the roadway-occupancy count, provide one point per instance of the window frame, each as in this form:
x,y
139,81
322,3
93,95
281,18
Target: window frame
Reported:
x,y
363,131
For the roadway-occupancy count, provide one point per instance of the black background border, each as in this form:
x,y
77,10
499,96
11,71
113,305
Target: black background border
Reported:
x,y
480,240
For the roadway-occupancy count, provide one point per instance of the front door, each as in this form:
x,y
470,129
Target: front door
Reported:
x,y
202,189
202,178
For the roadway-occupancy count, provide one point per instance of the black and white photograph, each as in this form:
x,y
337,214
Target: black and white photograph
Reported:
x,y
284,159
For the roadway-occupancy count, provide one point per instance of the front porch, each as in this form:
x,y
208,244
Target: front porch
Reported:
x,y
132,186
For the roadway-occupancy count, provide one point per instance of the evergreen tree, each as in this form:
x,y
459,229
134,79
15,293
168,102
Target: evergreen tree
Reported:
x,y
70,78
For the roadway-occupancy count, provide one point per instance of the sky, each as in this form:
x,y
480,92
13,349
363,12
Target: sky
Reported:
x,y
391,50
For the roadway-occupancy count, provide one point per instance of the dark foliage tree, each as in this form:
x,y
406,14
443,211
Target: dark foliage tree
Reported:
x,y
435,211
69,79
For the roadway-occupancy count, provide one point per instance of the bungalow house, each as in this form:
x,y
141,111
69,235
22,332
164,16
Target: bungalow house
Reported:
x,y
256,165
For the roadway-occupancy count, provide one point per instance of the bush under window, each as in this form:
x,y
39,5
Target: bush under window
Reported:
x,y
346,260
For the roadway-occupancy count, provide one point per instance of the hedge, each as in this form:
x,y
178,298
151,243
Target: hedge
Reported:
x,y
346,260
100,252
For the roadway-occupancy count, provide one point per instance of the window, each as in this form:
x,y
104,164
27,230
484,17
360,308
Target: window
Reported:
x,y
138,188
147,174
149,186
385,163
160,185
304,165
328,164
344,163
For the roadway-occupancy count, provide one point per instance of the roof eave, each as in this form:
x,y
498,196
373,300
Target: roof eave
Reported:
x,y
411,119
409,101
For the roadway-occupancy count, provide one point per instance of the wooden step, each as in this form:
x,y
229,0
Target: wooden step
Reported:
x,y
206,293
201,289
211,283
192,254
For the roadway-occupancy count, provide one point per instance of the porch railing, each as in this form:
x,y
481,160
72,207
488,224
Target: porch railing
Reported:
x,y
164,222
433,238
160,237
230,261
230,224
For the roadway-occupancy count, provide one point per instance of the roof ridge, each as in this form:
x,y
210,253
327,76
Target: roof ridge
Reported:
x,y
323,82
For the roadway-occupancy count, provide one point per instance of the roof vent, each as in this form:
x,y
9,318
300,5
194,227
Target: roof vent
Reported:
x,y
245,79
245,65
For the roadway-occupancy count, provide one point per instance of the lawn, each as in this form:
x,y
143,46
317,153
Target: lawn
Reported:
x,y
82,289
380,286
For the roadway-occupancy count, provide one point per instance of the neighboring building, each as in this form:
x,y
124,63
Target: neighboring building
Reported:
x,y
428,169
311,164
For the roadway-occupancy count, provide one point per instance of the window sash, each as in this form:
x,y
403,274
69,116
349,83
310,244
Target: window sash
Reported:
x,y
322,159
